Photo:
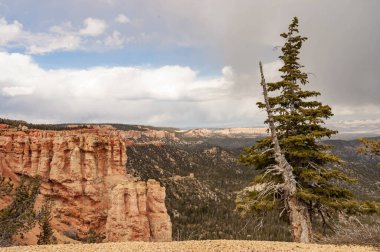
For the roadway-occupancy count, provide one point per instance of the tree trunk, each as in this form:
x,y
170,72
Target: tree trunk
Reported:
x,y
298,215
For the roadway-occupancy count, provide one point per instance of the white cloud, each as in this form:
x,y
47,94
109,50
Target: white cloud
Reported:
x,y
9,31
17,90
361,122
116,39
63,37
122,19
367,126
45,43
365,110
63,28
167,95
93,27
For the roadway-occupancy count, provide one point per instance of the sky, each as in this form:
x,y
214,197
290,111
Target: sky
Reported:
x,y
182,63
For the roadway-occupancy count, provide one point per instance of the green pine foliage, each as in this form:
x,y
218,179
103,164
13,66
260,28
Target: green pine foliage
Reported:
x,y
19,216
6,186
299,120
56,127
44,217
93,237
370,147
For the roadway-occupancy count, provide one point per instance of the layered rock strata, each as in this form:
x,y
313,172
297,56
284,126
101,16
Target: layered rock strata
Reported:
x,y
226,132
84,172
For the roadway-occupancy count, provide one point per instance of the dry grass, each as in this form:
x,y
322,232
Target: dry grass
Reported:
x,y
196,246
356,233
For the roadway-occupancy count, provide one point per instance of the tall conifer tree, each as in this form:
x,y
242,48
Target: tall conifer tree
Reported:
x,y
299,122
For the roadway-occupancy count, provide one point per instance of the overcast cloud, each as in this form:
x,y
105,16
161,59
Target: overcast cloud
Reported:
x,y
342,54
119,94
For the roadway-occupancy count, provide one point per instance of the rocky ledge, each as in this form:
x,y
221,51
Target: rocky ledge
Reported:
x,y
84,172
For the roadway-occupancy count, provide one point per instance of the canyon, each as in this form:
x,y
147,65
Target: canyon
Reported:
x,y
143,183
84,172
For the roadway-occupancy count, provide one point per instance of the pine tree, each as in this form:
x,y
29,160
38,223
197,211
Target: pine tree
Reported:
x,y
93,236
370,147
298,120
6,186
19,216
44,217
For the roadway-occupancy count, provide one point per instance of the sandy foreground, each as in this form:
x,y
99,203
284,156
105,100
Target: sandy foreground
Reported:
x,y
196,246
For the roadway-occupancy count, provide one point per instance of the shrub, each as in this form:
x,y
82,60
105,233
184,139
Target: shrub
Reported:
x,y
19,216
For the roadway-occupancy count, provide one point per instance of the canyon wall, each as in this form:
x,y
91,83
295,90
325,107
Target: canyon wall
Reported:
x,y
225,132
84,172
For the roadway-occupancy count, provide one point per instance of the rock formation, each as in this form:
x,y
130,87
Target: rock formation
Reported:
x,y
225,132
84,172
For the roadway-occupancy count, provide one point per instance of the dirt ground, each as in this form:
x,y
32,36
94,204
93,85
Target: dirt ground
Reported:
x,y
196,246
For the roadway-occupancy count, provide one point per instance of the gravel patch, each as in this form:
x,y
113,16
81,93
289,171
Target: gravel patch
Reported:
x,y
196,246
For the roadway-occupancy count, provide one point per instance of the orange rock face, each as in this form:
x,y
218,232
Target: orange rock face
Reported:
x,y
135,206
84,172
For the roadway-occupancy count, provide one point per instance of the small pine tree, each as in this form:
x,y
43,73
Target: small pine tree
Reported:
x,y
298,120
370,147
44,217
19,216
6,186
93,237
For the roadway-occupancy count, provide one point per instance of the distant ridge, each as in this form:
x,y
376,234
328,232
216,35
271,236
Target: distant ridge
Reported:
x,y
225,132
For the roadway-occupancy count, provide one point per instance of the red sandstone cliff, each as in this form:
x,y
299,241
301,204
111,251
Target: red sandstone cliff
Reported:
x,y
84,172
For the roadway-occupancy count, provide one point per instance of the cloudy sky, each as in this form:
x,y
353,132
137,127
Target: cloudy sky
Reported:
x,y
181,63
